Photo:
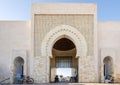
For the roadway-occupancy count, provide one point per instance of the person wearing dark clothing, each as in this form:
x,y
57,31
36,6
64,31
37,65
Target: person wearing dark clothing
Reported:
x,y
56,79
76,78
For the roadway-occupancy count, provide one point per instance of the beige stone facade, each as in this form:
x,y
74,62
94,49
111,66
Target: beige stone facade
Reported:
x,y
31,44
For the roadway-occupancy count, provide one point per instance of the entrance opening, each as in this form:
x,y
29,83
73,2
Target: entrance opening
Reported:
x,y
107,67
18,69
64,64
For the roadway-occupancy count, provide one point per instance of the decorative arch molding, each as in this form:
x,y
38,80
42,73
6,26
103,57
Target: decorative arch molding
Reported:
x,y
60,32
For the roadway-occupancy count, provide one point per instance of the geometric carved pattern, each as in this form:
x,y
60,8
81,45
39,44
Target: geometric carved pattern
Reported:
x,y
64,31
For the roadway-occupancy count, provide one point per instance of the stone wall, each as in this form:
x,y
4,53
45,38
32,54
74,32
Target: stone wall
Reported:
x,y
45,23
84,23
109,45
14,39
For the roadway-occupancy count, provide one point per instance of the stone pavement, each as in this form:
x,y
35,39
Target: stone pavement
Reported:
x,y
68,84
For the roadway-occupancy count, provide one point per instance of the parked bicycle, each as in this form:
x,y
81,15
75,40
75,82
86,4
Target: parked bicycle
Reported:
x,y
28,80
109,79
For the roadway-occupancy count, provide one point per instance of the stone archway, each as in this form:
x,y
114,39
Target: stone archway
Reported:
x,y
107,55
64,63
18,69
108,67
57,33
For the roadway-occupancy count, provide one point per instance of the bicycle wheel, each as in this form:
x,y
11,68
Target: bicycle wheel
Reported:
x,y
31,81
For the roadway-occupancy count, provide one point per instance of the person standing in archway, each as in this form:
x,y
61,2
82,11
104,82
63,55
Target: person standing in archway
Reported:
x,y
56,79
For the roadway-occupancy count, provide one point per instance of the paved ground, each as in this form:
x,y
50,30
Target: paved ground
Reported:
x,y
66,84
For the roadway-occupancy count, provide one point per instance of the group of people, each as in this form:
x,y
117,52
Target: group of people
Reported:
x,y
62,79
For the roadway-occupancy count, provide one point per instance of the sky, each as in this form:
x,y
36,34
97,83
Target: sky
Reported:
x,y
108,10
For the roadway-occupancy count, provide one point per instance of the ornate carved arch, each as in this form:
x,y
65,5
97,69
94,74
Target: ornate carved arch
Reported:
x,y
60,32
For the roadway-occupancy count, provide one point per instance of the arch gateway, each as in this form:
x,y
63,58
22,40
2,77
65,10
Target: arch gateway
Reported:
x,y
53,31
63,42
